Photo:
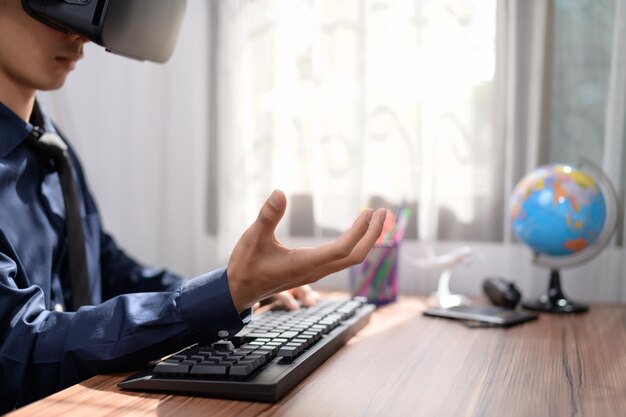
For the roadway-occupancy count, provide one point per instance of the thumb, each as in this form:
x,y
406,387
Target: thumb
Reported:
x,y
271,212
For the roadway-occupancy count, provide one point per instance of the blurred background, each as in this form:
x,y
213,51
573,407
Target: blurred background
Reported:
x,y
439,105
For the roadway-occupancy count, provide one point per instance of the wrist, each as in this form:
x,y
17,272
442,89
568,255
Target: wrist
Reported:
x,y
236,292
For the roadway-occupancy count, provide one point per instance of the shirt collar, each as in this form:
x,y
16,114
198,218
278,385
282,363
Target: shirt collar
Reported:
x,y
13,130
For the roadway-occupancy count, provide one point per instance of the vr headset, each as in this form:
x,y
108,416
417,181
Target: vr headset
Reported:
x,y
140,29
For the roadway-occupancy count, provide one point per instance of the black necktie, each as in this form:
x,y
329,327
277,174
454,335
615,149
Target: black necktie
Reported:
x,y
51,145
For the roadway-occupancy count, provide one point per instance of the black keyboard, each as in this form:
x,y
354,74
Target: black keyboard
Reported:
x,y
265,360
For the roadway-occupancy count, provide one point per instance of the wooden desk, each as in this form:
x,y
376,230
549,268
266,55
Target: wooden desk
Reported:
x,y
404,364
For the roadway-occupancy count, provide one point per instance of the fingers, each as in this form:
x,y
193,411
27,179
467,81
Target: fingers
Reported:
x,y
270,214
307,295
359,252
260,308
307,259
287,300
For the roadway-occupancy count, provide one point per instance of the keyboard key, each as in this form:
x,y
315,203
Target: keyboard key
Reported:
x,y
281,328
242,369
325,329
315,334
223,345
258,360
288,335
288,352
255,335
248,346
299,346
244,352
171,368
303,342
267,351
209,369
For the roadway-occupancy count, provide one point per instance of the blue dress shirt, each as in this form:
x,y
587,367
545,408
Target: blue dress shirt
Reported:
x,y
138,314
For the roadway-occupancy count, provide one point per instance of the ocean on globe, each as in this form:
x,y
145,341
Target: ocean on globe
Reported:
x,y
557,210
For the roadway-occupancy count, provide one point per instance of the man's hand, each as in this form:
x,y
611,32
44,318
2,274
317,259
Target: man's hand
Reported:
x,y
260,265
291,299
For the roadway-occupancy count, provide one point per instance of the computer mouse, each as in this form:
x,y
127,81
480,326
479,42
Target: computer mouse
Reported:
x,y
501,292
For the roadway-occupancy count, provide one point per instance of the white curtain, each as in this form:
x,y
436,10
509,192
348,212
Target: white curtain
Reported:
x,y
522,89
349,101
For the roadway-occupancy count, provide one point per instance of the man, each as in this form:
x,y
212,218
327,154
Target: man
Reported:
x,y
134,314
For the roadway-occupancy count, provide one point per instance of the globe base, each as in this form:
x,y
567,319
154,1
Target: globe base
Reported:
x,y
554,301
560,306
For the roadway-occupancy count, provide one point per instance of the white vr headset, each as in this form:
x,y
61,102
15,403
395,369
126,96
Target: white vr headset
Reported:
x,y
140,29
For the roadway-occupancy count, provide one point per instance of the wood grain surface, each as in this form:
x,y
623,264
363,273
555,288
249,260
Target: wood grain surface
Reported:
x,y
405,364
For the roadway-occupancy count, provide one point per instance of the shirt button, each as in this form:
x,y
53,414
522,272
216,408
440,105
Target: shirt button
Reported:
x,y
59,308
223,333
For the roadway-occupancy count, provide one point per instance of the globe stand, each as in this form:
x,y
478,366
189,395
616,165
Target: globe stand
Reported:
x,y
554,301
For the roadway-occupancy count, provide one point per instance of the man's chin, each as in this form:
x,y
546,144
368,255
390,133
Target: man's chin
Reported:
x,y
52,84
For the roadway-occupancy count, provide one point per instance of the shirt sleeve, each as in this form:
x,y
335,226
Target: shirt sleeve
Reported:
x,y
43,351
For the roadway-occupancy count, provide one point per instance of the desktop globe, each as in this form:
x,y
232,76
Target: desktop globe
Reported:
x,y
566,215
558,210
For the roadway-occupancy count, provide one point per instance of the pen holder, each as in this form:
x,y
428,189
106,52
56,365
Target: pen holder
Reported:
x,y
377,277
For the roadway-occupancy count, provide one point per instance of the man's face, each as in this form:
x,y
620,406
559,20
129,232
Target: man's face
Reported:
x,y
32,55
